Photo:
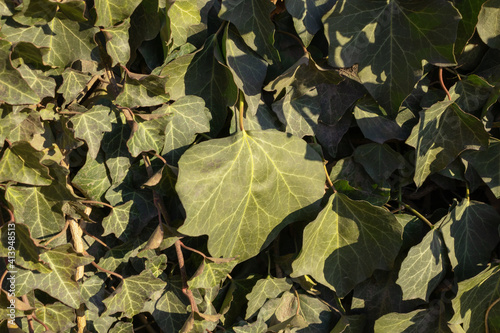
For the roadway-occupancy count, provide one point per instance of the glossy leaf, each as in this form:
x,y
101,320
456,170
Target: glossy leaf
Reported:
x,y
92,179
470,234
443,132
57,316
184,17
375,35
258,160
333,243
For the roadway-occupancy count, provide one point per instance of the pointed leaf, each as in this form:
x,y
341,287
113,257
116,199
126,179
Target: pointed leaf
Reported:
x,y
149,135
143,90
471,94
277,177
470,232
257,29
118,221
91,125
13,88
92,179
114,145
423,268
21,163
184,16
265,289
379,161
473,298
36,12
57,316
117,44
42,85
347,242
467,26
487,164
413,322
211,274
110,12
257,327
67,40
73,84
443,132
131,294
375,34
249,70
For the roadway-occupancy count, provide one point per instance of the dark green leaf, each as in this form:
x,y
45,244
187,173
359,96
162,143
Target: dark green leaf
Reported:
x,y
262,291
487,25
487,164
21,163
117,43
92,179
143,90
379,161
110,12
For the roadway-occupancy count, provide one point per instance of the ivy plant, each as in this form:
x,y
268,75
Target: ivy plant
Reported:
x,y
250,166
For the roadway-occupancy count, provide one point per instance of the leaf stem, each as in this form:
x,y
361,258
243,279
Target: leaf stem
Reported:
x,y
105,270
29,317
486,329
467,191
182,268
328,179
40,322
242,110
417,214
442,83
59,234
192,250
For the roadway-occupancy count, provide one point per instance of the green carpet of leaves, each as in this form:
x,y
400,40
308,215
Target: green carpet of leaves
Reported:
x,y
250,166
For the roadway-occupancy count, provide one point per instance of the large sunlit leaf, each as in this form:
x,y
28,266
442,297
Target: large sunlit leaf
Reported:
x,y
256,29
131,294
443,132
473,298
277,176
375,34
470,232
210,274
348,240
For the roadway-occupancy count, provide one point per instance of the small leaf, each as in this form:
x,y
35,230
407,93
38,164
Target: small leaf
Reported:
x,y
473,298
91,125
131,294
13,88
258,161
143,90
117,43
257,30
122,327
258,326
423,268
211,274
262,291
21,163
117,222
470,234
413,322
110,12
334,242
92,179
41,84
148,135
443,132
73,84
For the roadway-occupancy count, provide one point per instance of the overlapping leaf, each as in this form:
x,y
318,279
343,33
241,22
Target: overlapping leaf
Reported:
x,y
21,163
92,179
113,11
143,90
344,229
91,125
487,164
263,290
443,132
375,34
117,44
276,176
487,25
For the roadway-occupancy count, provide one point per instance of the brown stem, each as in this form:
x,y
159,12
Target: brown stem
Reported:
x,y
185,290
29,317
145,321
486,329
95,238
192,250
105,270
442,82
40,322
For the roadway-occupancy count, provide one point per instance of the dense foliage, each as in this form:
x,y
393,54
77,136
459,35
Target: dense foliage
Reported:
x,y
250,165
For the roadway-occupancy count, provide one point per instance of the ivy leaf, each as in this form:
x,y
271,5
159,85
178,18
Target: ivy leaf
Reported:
x,y
257,30
184,16
110,12
92,179
375,35
443,132
256,327
424,267
91,125
27,253
41,84
117,222
117,43
316,314
343,230
470,232
259,161
21,163
188,116
202,74
36,12
379,161
114,145
73,83
263,290
487,25
471,94
469,10
122,327
487,163
148,135
13,88
307,17
143,90
413,322
63,261
67,40
249,70
473,298
211,274
131,294
57,316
